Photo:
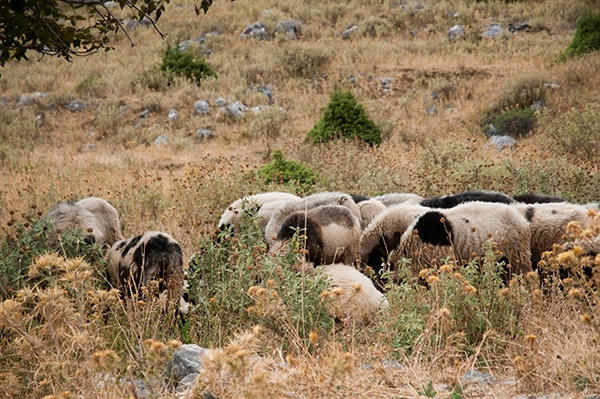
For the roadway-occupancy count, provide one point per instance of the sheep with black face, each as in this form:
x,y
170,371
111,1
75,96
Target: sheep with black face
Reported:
x,y
135,262
460,233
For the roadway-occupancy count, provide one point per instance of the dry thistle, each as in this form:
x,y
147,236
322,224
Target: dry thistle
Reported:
x,y
503,293
445,269
470,289
574,293
433,280
585,318
530,338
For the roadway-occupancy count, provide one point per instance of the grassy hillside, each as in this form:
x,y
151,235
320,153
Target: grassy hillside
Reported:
x,y
399,65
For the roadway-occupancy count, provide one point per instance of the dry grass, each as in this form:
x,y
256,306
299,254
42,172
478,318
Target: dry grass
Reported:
x,y
183,187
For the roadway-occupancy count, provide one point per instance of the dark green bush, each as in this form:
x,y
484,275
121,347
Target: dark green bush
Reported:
x,y
29,239
515,122
185,64
587,36
344,117
284,171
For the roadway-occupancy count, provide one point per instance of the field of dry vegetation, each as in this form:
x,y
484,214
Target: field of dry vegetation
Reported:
x,y
62,334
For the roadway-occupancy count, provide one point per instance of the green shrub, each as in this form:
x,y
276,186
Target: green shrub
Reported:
x,y
344,117
185,64
587,36
284,171
236,285
515,122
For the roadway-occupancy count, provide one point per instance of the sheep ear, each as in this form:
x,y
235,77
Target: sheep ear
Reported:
x,y
433,228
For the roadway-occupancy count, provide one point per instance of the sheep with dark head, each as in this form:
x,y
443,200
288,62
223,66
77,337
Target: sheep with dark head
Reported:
x,y
133,263
383,234
307,203
331,233
460,233
94,217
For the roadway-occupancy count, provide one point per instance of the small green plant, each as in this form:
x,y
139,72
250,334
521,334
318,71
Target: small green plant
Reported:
x,y
587,36
284,171
344,118
185,64
428,390
515,122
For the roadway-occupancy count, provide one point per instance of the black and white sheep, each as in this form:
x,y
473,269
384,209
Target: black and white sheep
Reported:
x,y
450,201
133,263
383,234
460,233
548,223
392,199
331,233
356,300
307,203
94,217
265,204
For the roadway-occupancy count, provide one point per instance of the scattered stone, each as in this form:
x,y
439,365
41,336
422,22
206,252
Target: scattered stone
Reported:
x,y
477,377
28,99
552,86
145,113
202,107
188,382
523,26
220,102
501,143
91,147
186,360
266,91
236,110
110,4
258,109
352,79
204,134
351,31
290,28
432,110
256,31
76,106
493,31
136,23
39,119
161,140
3,102
456,32
173,115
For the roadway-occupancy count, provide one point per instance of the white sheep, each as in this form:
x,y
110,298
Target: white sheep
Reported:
x,y
232,214
356,300
107,218
460,233
94,217
369,209
331,233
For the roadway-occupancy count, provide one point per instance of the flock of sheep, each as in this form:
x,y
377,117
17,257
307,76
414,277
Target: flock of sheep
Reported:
x,y
349,236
